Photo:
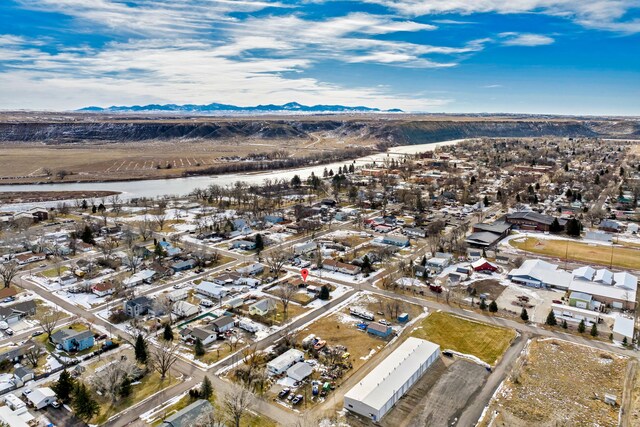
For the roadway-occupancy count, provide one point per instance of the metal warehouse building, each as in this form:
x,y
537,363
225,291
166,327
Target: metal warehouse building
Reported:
x,y
376,394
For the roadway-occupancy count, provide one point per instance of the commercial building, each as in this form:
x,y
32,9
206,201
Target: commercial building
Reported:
x,y
376,394
540,274
533,221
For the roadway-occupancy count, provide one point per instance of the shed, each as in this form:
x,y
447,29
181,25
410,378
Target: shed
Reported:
x,y
623,327
299,371
380,330
403,318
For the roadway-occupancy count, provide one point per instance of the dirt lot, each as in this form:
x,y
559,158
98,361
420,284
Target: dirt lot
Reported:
x,y
623,257
439,397
491,287
557,383
486,342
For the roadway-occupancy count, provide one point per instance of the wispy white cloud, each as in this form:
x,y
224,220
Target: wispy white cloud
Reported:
x,y
493,86
525,39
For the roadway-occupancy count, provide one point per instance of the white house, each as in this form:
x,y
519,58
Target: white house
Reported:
x,y
379,391
144,276
178,294
304,248
206,334
185,309
210,289
41,397
283,362
255,268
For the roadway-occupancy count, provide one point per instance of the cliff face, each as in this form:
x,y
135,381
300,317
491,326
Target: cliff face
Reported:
x,y
387,132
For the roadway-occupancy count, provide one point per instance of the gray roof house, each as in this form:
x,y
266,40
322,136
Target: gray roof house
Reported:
x,y
188,416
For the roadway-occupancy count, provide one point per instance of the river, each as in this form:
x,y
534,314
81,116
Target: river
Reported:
x,y
182,186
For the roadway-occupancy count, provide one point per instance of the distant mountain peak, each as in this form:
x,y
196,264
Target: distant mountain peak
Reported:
x,y
215,108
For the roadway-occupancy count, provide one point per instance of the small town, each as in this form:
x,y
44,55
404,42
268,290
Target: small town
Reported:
x,y
455,285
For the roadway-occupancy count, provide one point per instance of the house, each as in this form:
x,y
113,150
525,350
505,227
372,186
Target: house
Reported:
x,y
67,279
226,279
540,274
41,397
183,265
439,262
178,294
379,330
300,371
415,232
71,340
206,334
103,289
222,324
623,327
533,221
185,309
245,245
161,270
251,269
187,417
304,248
273,219
375,395
28,258
144,276
18,311
609,225
340,267
210,289
488,235
280,364
15,354
395,240
23,374
138,306
473,254
169,249
599,236
262,307
483,265
235,303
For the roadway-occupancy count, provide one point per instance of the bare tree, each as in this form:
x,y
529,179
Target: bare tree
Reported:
x,y
160,219
33,354
145,228
132,259
236,404
116,204
107,247
8,271
285,292
210,418
276,260
164,356
108,379
48,320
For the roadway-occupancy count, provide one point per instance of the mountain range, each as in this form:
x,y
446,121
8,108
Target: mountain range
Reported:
x,y
291,107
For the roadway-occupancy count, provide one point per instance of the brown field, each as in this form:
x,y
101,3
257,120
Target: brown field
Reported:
x,y
558,383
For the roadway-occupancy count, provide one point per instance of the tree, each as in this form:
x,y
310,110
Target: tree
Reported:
x,y
573,227
206,389
324,293
236,405
125,387
8,271
624,341
110,378
296,182
84,406
64,386
48,320
284,292
141,353
581,327
564,324
160,220
493,307
167,334
33,354
551,319
594,330
259,243
524,315
276,261
164,357
483,304
555,226
198,348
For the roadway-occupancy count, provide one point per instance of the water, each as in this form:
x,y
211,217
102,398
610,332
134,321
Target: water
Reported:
x,y
183,186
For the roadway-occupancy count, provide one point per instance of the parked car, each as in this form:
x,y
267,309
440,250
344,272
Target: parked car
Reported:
x,y
315,390
26,392
297,400
8,331
284,392
37,333
55,404
9,299
206,303
556,301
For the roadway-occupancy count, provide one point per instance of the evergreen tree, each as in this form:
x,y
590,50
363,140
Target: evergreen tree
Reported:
x,y
167,334
259,243
551,319
87,235
64,386
483,304
85,205
199,348
366,264
594,330
141,349
206,389
296,182
573,227
486,201
624,341
94,209
125,387
581,327
84,406
524,315
352,168
324,293
493,307
555,226
564,324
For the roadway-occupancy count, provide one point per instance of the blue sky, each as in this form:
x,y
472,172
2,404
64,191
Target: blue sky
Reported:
x,y
527,56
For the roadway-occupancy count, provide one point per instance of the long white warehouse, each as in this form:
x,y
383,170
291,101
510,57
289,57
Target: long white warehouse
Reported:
x,y
376,394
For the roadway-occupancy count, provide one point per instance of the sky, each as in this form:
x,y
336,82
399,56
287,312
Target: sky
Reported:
x,y
456,56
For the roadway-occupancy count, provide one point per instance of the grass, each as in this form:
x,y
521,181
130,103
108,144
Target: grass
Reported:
x,y
623,257
212,355
53,272
560,383
486,342
149,385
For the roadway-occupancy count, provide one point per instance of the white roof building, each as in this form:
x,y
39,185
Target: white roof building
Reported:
x,y
604,293
17,418
299,371
603,276
41,397
623,328
376,393
538,273
625,280
283,362
584,273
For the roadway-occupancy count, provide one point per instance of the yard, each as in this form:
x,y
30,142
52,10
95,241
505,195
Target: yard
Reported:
x,y
623,257
491,287
559,383
482,340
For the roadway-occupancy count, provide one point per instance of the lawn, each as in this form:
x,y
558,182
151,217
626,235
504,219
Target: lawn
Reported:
x,y
53,272
149,385
484,341
624,257
557,383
